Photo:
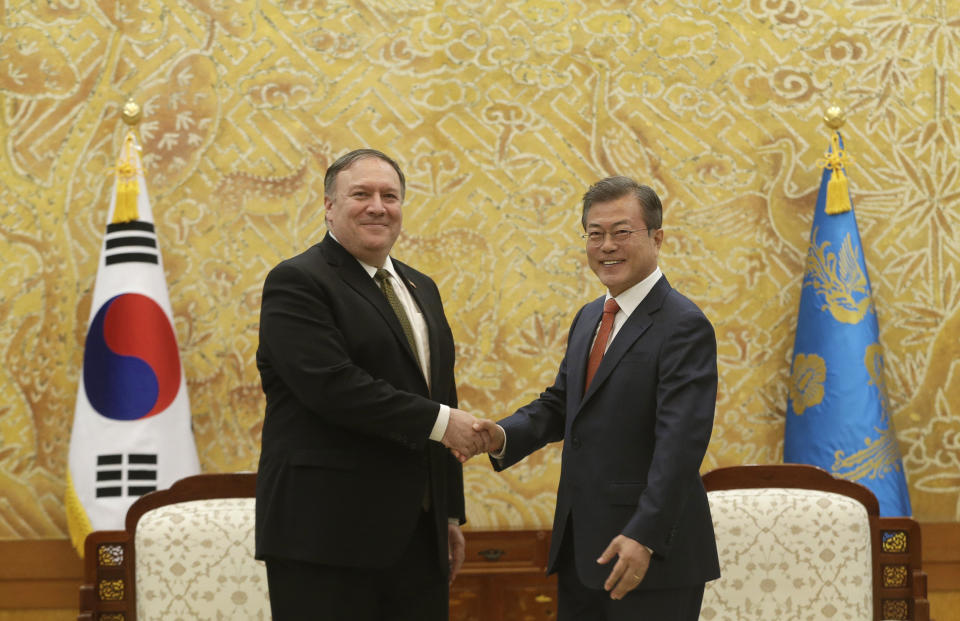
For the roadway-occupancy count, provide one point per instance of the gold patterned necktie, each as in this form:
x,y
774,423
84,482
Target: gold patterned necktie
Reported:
x,y
383,279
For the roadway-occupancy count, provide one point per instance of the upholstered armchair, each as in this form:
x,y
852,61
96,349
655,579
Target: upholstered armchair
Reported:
x,y
796,543
186,553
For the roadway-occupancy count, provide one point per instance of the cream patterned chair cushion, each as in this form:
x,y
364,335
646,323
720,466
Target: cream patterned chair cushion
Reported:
x,y
194,560
790,554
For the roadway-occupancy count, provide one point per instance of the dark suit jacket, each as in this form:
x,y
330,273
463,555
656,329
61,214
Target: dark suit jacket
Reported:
x,y
633,444
345,456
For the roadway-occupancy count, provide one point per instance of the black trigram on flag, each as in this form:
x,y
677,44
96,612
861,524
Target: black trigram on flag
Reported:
x,y
130,242
138,474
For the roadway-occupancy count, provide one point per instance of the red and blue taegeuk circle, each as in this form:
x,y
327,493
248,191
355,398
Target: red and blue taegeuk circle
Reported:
x,y
131,365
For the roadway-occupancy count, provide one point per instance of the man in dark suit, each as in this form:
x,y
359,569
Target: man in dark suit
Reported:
x,y
359,503
633,402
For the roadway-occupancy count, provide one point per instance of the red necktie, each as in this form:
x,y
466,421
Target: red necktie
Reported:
x,y
610,309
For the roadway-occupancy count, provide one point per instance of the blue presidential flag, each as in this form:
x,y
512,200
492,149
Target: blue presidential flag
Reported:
x,y
838,413
131,426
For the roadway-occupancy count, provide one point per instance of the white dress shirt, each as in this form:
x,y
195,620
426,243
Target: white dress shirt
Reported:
x,y
628,301
420,336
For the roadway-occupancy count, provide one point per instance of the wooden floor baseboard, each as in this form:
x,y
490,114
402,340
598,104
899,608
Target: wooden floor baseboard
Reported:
x,y
39,573
941,555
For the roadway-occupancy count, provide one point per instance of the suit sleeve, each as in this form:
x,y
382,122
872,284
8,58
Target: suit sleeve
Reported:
x,y
538,423
686,399
305,349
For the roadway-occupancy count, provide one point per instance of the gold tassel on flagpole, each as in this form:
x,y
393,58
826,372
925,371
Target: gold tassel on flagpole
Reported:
x,y
128,188
838,190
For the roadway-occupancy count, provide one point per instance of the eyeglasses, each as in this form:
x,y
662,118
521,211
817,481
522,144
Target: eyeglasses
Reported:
x,y
596,238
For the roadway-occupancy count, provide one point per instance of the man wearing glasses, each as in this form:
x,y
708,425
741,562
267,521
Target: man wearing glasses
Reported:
x,y
633,402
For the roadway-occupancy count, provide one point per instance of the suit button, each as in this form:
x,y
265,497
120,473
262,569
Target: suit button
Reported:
x,y
575,442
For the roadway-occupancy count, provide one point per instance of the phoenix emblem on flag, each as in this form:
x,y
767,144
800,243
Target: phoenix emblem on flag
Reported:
x,y
839,280
880,455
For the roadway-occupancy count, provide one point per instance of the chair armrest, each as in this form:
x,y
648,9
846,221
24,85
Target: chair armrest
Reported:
x,y
107,575
902,584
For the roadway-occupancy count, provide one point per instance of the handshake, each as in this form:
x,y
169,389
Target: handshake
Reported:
x,y
467,436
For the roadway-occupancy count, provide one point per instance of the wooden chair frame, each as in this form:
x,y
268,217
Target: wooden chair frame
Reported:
x,y
108,592
899,583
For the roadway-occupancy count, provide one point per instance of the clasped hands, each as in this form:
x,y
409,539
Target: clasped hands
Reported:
x,y
467,436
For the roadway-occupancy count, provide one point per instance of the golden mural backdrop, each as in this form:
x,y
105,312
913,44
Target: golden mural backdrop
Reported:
x,y
501,112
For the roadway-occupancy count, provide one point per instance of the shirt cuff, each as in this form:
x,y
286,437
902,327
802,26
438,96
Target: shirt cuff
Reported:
x,y
453,521
440,426
503,449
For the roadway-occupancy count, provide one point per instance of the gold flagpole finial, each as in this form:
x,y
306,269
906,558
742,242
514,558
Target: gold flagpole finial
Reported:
x,y
131,112
834,118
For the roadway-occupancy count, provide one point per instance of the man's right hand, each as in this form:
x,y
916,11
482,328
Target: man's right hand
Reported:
x,y
493,433
461,437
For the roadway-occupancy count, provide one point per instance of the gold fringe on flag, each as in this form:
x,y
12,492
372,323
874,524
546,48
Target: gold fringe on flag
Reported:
x,y
127,188
78,524
838,190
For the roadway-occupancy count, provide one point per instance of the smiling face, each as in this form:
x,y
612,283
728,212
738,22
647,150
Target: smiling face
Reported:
x,y
363,212
621,264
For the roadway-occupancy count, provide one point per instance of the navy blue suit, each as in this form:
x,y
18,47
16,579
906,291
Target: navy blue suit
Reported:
x,y
633,444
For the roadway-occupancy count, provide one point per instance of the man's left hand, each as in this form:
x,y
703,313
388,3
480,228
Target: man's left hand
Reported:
x,y
629,569
456,548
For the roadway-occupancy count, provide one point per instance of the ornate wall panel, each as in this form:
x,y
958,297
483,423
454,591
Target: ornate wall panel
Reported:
x,y
502,113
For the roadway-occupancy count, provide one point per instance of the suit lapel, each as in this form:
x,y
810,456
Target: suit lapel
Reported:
x,y
357,278
637,323
578,349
